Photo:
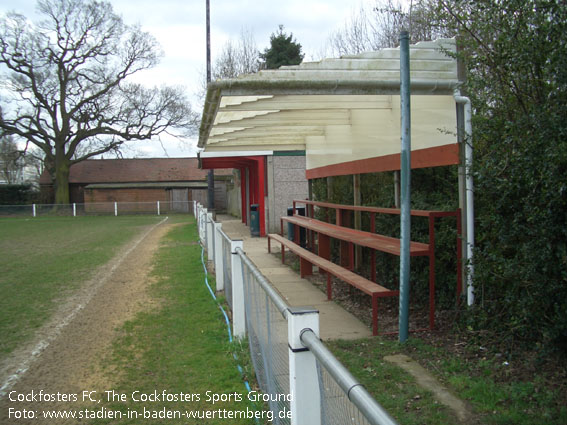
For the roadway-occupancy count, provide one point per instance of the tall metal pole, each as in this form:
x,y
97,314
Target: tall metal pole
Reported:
x,y
405,186
211,174
208,42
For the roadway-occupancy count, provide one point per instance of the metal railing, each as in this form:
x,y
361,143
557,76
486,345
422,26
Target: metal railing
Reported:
x,y
99,208
267,330
304,383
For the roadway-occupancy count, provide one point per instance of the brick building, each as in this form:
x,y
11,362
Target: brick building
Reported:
x,y
139,181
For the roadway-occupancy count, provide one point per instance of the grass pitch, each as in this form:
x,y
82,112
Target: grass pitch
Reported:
x,y
180,347
44,259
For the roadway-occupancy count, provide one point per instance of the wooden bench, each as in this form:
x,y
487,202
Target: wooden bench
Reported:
x,y
359,237
308,259
342,220
351,237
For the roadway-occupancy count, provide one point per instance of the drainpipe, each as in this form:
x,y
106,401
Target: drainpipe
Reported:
x,y
469,189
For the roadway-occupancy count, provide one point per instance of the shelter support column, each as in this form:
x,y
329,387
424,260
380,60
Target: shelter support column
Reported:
x,y
261,193
330,194
357,218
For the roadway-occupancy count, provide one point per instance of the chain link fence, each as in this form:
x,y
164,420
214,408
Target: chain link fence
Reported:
x,y
302,380
267,333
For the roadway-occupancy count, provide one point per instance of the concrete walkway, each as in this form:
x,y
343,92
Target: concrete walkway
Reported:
x,y
334,321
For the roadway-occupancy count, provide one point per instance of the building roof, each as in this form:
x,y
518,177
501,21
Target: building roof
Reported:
x,y
337,110
142,170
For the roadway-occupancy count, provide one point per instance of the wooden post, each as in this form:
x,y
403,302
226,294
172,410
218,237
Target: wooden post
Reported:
x,y
397,201
330,194
357,218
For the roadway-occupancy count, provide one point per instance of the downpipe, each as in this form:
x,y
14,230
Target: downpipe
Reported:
x,y
469,190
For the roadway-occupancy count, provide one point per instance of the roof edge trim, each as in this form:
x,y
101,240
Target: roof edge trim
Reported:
x,y
222,154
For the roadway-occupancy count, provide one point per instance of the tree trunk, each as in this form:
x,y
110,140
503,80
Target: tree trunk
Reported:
x,y
62,182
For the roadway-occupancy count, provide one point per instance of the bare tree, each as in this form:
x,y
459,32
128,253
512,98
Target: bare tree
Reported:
x,y
68,93
354,37
381,26
237,57
10,166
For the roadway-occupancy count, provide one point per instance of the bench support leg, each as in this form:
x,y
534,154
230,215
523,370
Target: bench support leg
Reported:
x,y
324,250
329,287
283,253
431,290
374,315
344,254
305,267
373,265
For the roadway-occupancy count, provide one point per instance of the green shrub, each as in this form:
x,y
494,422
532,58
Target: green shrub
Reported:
x,y
16,194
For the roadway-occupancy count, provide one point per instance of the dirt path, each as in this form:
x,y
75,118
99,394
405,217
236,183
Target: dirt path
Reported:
x,y
65,353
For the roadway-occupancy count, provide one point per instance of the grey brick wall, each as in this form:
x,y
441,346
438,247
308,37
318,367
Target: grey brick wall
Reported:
x,y
286,182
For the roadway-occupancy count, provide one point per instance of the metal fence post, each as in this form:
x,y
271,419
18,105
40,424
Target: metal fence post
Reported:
x,y
405,215
238,301
305,402
198,218
34,210
203,225
210,237
219,259
158,208
115,209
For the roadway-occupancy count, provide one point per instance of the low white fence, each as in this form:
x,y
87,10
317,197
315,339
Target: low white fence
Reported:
x,y
99,208
306,384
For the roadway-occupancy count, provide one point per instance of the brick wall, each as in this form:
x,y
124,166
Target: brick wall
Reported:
x,y
96,200
125,195
286,182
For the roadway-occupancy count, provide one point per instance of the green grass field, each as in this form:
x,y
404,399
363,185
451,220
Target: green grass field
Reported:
x,y
181,346
44,259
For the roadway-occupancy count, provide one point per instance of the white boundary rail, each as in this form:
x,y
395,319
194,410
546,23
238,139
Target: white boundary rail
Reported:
x,y
99,208
307,385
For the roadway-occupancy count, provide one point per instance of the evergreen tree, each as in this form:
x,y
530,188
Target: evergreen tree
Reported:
x,y
283,50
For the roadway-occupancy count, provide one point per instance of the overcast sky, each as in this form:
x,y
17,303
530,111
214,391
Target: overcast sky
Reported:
x,y
179,26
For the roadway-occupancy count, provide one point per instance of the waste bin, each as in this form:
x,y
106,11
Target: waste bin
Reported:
x,y
291,227
254,220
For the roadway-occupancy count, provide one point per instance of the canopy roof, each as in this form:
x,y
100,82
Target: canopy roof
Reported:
x,y
340,111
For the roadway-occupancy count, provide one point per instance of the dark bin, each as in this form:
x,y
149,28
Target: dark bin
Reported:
x,y
254,220
291,227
